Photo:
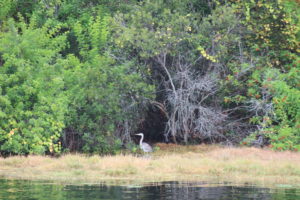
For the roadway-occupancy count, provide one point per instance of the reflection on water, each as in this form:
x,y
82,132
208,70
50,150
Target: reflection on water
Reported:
x,y
29,190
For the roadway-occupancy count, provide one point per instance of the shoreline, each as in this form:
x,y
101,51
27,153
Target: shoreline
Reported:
x,y
204,163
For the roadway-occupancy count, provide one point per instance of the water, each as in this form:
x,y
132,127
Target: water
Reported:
x,y
32,190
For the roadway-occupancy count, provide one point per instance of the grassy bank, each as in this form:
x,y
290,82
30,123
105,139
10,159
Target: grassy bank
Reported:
x,y
171,162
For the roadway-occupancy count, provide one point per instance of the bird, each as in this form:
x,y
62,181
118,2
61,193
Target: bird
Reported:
x,y
143,145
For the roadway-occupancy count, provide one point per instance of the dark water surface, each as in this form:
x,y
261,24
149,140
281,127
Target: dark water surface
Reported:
x,y
32,190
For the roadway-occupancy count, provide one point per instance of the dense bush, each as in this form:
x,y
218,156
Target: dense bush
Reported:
x,y
59,88
273,83
32,100
81,75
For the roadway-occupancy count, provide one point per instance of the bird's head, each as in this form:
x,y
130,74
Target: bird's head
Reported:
x,y
140,134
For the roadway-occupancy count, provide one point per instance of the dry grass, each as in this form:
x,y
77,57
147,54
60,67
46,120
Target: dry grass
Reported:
x,y
171,162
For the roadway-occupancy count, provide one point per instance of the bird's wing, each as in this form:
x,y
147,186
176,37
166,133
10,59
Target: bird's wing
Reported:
x,y
146,147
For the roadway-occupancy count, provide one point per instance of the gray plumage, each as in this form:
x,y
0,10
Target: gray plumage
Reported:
x,y
143,145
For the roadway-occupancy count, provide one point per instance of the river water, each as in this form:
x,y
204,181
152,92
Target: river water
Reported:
x,y
34,190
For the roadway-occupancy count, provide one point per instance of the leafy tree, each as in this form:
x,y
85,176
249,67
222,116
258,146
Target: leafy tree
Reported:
x,y
183,53
103,93
273,28
32,103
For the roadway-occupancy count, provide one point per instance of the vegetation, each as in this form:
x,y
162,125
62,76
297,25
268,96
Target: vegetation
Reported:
x,y
86,75
171,163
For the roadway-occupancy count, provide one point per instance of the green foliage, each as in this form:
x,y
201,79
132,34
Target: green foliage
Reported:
x,y
32,104
50,89
91,36
160,27
274,40
284,131
75,75
5,8
98,99
102,89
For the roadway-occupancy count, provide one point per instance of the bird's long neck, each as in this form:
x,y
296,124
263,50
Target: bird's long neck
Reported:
x,y
141,141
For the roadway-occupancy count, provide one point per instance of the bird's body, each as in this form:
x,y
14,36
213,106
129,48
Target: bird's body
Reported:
x,y
143,145
146,147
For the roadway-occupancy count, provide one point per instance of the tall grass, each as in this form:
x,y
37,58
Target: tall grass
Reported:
x,y
171,162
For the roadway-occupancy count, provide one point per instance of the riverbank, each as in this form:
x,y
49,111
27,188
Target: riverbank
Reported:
x,y
170,163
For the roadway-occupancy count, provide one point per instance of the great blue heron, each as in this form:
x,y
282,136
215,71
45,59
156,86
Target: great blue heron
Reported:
x,y
143,145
